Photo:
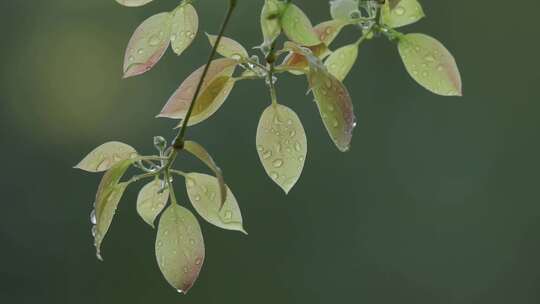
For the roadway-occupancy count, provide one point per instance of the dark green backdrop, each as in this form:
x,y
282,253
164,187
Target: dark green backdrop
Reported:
x,y
437,201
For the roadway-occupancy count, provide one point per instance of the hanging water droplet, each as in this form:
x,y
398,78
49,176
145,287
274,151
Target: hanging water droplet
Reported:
x,y
94,231
93,219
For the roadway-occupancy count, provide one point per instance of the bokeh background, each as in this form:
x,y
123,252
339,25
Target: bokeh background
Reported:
x,y
437,202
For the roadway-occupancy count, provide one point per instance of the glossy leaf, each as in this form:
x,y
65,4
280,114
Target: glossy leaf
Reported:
x,y
215,89
151,201
430,64
105,156
335,105
134,3
281,145
200,152
203,192
271,20
342,9
297,26
108,196
147,45
184,27
341,61
405,13
228,47
179,247
329,30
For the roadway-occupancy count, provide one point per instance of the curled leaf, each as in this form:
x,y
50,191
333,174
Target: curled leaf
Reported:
x,y
133,3
216,87
151,201
228,47
179,247
282,145
343,9
105,156
340,62
184,27
329,30
404,13
203,192
147,45
271,20
430,64
297,26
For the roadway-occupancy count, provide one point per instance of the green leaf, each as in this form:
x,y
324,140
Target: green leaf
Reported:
x,y
200,152
108,196
270,20
282,145
393,3
430,64
216,88
342,9
105,156
184,28
147,45
404,13
133,3
335,105
297,26
229,48
203,192
179,247
342,60
329,30
151,201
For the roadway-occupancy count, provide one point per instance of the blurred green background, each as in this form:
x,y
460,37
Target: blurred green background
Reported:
x,y
437,202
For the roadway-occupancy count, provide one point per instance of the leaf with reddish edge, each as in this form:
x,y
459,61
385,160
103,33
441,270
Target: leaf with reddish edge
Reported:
x,y
329,30
298,64
147,45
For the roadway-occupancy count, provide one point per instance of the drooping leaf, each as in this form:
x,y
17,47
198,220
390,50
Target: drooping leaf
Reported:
x,y
430,64
105,156
297,63
108,196
281,145
217,82
203,192
340,62
404,13
133,3
179,247
228,47
271,20
151,201
200,152
147,45
184,27
343,9
297,26
393,3
329,30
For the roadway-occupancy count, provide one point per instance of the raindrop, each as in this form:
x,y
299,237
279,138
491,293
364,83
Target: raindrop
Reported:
x,y
277,163
93,219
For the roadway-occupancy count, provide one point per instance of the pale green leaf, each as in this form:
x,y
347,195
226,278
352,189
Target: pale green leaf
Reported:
x,y
203,192
133,3
341,61
329,30
200,152
405,13
343,9
152,200
184,27
179,247
229,48
430,64
105,156
271,20
297,26
147,45
216,87
393,3
281,145
108,196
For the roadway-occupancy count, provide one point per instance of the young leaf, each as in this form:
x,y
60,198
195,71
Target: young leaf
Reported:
x,y
150,201
342,60
179,247
147,45
405,13
203,155
229,48
105,156
335,105
179,103
297,26
430,64
329,30
108,196
133,3
281,145
271,20
184,28
342,9
203,193
297,63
